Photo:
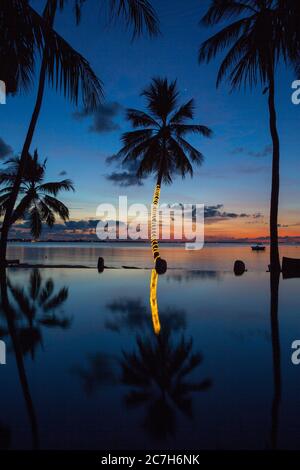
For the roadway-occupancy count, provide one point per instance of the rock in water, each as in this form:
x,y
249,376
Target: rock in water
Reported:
x,y
100,265
161,266
239,267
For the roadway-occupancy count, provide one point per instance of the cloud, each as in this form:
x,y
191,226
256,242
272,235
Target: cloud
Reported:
x,y
5,149
267,150
126,174
103,119
125,179
216,214
71,230
112,159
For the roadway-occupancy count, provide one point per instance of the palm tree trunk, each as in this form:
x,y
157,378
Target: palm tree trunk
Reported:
x,y
7,221
154,225
274,252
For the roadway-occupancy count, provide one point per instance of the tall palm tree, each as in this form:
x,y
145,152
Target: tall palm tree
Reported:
x,y
158,144
37,202
66,70
259,35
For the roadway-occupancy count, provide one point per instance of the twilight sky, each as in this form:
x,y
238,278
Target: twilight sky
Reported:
x,y
235,177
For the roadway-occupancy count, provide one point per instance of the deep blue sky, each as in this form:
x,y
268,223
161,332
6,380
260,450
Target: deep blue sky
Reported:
x,y
236,172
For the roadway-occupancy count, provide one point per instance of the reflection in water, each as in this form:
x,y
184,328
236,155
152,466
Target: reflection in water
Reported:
x,y
100,372
157,374
274,285
189,275
10,315
131,314
153,301
37,305
5,437
157,371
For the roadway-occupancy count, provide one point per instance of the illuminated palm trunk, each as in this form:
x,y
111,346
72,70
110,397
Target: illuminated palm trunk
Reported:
x,y
153,302
160,264
154,227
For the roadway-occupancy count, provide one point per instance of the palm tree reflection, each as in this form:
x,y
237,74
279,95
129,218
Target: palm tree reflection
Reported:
x,y
153,302
5,437
37,305
40,306
158,376
274,287
10,315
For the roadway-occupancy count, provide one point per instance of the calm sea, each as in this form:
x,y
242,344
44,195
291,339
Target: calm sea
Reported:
x,y
211,257
86,370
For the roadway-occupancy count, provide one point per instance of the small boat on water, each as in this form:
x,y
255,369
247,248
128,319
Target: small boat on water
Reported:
x,y
258,247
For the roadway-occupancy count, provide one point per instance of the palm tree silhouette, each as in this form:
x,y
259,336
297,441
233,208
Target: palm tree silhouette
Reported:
x,y
158,144
37,202
158,376
263,32
23,33
67,70
41,306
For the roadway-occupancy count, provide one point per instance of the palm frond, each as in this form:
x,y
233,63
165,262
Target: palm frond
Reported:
x,y
35,283
55,187
35,222
46,292
223,10
69,72
161,97
23,206
137,13
57,300
193,153
57,206
22,301
181,162
139,118
223,39
47,214
185,112
183,129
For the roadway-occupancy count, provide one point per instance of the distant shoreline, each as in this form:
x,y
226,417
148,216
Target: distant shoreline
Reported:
x,y
146,242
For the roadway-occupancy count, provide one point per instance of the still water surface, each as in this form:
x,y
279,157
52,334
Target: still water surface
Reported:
x,y
85,369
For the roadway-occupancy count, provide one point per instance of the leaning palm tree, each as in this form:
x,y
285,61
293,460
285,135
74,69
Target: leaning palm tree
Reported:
x,y
259,35
66,70
61,65
158,144
37,203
